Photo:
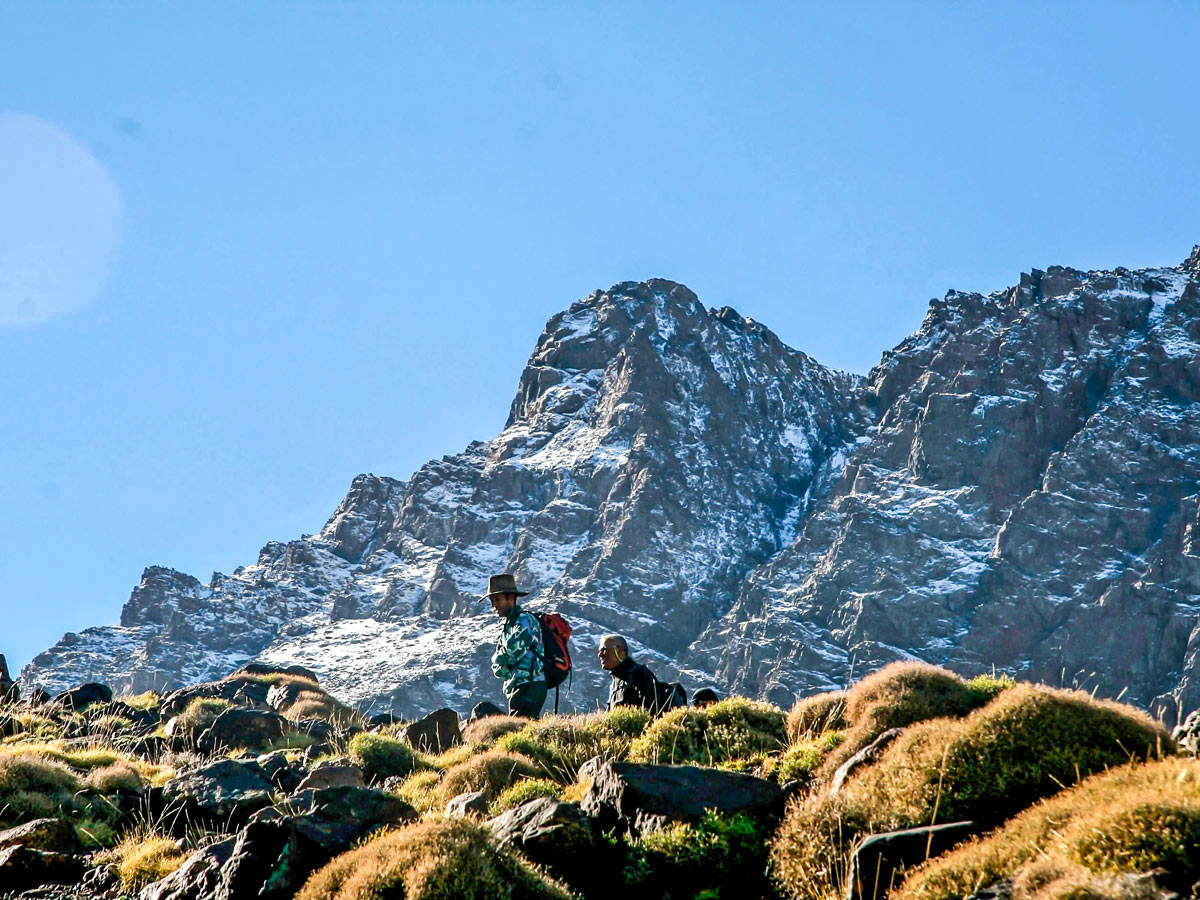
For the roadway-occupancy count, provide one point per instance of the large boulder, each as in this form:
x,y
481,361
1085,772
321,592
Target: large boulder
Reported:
x,y
198,877
335,817
880,859
22,868
436,732
254,729
641,797
85,695
223,793
53,835
250,694
1187,733
557,835
284,773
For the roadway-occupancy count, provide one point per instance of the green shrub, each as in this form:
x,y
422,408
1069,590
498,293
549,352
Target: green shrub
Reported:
x,y
147,700
801,760
490,772
420,790
199,714
720,856
733,729
118,776
445,859
1130,819
380,756
1027,744
522,792
986,688
561,744
811,716
33,787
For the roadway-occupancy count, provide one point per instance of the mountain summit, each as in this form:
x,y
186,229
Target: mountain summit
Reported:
x,y
1014,485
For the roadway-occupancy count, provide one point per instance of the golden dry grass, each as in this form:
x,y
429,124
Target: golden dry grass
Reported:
x,y
440,859
561,744
490,772
490,729
811,716
731,731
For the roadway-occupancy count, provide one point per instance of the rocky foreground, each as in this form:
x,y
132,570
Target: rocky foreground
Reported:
x,y
914,782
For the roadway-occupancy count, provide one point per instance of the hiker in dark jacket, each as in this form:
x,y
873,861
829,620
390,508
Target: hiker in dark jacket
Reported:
x,y
519,653
632,683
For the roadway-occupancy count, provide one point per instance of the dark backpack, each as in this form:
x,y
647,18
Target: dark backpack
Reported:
x,y
668,695
556,647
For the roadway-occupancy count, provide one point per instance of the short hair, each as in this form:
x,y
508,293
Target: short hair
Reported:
x,y
617,641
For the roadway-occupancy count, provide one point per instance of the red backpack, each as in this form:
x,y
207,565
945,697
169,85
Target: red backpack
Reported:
x,y
556,644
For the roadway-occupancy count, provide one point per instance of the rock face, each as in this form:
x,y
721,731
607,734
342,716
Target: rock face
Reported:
x,y
1015,485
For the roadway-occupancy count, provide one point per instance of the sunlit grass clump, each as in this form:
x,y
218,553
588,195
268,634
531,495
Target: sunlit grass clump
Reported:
x,y
440,859
490,772
1028,743
522,792
380,756
561,744
735,729
142,857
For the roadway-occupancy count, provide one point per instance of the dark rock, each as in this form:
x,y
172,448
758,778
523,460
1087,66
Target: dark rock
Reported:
x,y
9,690
641,797
486,708
282,695
224,793
197,879
879,860
332,776
472,803
382,720
257,668
436,732
55,835
334,817
86,694
863,757
177,701
39,697
284,774
253,729
557,835
22,868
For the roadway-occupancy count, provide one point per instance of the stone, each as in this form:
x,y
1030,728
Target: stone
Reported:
x,y
486,708
253,729
282,695
436,732
55,835
382,720
22,868
9,690
642,797
557,835
863,757
332,776
222,793
880,859
86,694
285,774
177,701
472,803
331,817
198,877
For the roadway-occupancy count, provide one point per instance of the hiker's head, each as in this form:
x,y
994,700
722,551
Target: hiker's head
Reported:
x,y
503,603
613,650
502,592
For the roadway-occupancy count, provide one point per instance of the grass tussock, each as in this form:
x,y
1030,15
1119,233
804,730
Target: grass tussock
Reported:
x,y
522,792
561,744
812,716
733,730
490,772
143,701
121,775
802,759
380,756
1029,743
1131,819
272,678
490,729
420,790
441,859
316,704
200,713
34,786
141,858
902,694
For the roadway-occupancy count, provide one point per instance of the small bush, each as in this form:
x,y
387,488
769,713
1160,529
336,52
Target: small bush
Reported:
x,y
561,744
380,756
420,789
986,688
118,776
811,716
522,792
801,760
33,787
448,759
719,856
141,859
148,700
1131,819
1027,744
201,713
733,729
490,772
445,859
490,729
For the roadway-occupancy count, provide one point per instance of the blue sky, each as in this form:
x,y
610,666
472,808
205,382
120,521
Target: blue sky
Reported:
x,y
296,242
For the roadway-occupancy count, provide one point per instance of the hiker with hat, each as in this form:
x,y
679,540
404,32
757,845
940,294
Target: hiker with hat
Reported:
x,y
519,653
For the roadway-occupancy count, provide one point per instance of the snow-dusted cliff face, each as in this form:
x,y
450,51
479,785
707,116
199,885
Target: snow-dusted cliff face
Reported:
x,y
1017,485
656,452
1028,498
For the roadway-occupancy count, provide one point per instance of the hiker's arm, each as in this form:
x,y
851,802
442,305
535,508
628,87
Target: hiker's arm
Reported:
x,y
511,653
643,684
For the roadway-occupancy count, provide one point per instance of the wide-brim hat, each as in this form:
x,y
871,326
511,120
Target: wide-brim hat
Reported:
x,y
502,584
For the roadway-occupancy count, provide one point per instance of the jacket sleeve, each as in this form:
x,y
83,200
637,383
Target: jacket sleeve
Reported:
x,y
515,646
642,681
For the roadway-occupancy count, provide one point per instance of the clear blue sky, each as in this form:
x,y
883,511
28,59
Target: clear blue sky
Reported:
x,y
321,239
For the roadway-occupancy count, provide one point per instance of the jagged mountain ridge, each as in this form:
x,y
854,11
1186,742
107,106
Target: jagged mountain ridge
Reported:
x,y
1015,485
617,489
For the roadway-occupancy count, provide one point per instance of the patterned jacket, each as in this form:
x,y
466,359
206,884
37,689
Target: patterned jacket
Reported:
x,y
519,654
